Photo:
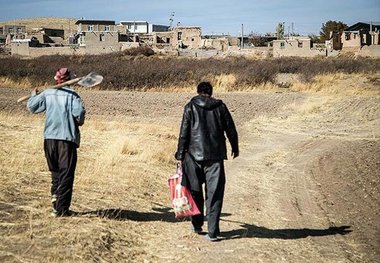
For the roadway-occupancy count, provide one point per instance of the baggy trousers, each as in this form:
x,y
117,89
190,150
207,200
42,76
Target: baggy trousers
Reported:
x,y
212,174
61,158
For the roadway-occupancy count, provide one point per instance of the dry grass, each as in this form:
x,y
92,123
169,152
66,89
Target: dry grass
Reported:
x,y
339,84
23,83
124,163
122,166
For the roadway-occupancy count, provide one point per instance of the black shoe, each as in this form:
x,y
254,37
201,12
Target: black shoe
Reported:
x,y
196,230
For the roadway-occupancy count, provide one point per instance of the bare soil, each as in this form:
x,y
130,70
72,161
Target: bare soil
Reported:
x,y
305,188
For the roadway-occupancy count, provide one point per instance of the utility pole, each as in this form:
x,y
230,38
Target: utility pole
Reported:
x,y
171,19
242,36
292,28
134,31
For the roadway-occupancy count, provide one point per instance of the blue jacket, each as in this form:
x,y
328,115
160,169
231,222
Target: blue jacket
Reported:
x,y
64,112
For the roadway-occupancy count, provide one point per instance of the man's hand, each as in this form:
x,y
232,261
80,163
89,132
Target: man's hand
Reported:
x,y
34,92
234,154
179,163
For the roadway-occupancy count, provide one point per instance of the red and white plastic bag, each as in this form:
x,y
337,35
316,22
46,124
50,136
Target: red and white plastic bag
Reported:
x,y
180,196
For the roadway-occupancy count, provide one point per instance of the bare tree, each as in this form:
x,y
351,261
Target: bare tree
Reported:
x,y
280,30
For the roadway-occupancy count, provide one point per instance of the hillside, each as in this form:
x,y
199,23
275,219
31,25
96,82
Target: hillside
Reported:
x,y
67,24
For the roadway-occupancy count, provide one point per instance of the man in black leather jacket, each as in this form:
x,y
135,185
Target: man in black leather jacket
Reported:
x,y
201,152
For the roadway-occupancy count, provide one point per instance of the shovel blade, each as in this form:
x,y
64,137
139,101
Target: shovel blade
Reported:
x,y
91,80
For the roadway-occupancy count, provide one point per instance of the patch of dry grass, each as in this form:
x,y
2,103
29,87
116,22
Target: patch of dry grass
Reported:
x,y
121,174
7,82
339,84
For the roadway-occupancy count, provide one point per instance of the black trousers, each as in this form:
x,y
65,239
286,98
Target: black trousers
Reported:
x,y
212,174
61,158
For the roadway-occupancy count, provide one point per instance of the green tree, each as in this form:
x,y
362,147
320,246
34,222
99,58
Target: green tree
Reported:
x,y
331,26
315,39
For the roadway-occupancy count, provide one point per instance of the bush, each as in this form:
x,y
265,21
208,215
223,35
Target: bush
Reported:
x,y
138,69
135,51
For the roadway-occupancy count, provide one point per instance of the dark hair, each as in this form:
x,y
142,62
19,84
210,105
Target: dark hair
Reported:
x,y
204,88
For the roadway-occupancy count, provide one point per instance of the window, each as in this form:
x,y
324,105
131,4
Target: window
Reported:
x,y
90,28
102,37
282,45
179,35
300,44
132,27
19,30
82,39
1,30
10,30
106,28
192,39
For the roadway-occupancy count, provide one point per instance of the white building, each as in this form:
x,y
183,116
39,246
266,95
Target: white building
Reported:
x,y
142,27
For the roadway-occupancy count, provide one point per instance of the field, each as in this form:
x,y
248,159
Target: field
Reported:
x,y
305,188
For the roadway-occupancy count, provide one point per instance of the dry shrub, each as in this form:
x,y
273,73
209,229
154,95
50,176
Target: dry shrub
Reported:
x,y
142,71
224,83
137,51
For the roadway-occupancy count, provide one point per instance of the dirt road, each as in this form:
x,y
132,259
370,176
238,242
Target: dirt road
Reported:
x,y
298,192
305,188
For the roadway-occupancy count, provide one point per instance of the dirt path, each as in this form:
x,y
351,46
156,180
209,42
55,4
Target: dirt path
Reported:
x,y
276,208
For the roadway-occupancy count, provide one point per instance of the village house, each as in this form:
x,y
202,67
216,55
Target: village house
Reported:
x,y
49,36
360,34
9,32
179,37
297,47
43,41
141,27
97,36
138,31
361,39
187,37
356,36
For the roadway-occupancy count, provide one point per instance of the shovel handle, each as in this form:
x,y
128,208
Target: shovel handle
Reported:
x,y
23,98
67,83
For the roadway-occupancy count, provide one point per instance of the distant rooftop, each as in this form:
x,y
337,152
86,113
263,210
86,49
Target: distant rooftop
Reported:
x,y
181,27
363,26
98,22
132,22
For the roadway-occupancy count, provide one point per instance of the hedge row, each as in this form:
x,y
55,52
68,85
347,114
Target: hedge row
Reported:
x,y
139,68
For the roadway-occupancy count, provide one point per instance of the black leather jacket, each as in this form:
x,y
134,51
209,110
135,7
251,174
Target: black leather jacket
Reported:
x,y
204,122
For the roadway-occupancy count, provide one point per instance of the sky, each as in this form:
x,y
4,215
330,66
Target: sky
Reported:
x,y
304,17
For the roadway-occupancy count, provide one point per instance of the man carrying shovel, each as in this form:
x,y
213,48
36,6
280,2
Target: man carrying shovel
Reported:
x,y
64,113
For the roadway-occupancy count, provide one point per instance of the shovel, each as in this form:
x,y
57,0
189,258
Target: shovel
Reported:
x,y
88,81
